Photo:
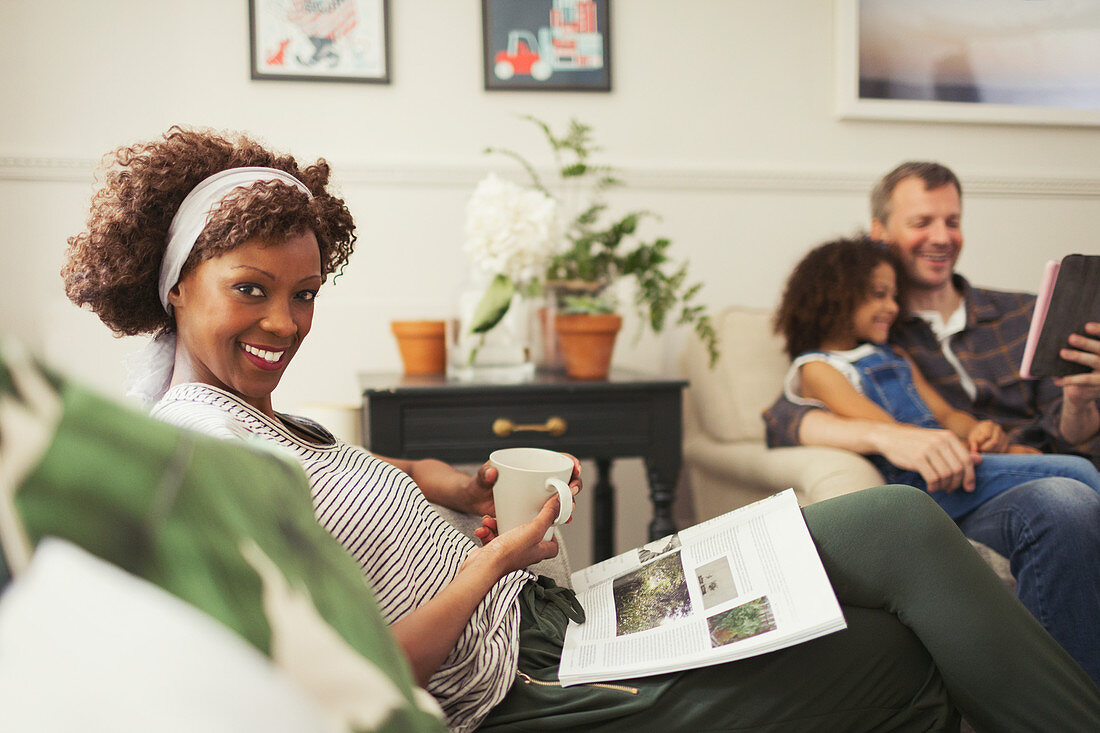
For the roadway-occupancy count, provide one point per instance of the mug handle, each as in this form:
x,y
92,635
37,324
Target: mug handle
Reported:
x,y
565,499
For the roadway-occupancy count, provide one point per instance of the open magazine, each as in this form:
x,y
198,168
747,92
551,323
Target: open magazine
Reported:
x,y
742,584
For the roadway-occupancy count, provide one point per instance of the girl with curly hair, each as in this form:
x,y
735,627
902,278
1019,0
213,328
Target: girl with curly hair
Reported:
x,y
835,315
212,243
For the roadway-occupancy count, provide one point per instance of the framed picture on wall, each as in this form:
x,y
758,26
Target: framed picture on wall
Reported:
x,y
551,45
320,40
992,61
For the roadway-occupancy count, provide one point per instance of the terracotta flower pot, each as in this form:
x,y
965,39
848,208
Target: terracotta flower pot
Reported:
x,y
587,342
421,344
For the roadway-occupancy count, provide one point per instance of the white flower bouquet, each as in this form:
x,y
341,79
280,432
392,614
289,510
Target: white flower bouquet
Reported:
x,y
512,233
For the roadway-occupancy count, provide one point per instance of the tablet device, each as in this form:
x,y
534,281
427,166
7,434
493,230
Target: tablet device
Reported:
x,y
1069,297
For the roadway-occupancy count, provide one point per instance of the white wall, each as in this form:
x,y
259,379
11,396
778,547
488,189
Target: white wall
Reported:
x,y
721,119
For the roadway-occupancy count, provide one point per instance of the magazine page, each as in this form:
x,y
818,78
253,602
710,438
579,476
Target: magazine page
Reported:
x,y
742,584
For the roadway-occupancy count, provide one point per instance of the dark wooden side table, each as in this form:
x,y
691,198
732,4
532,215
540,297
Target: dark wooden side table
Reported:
x,y
627,415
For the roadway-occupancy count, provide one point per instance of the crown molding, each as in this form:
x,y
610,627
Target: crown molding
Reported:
x,y
75,170
653,178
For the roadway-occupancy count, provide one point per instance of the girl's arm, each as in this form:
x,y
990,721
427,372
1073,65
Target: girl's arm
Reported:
x,y
937,455
429,633
981,436
821,381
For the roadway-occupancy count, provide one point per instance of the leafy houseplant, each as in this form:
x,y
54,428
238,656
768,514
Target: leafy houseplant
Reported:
x,y
601,249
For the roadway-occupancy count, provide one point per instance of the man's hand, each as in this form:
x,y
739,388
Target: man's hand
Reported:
x,y
941,459
1084,387
1080,416
987,437
937,455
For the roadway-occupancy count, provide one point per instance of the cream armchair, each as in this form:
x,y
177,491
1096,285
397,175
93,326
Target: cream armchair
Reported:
x,y
728,464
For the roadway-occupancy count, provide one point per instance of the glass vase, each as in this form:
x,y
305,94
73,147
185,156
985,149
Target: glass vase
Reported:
x,y
501,354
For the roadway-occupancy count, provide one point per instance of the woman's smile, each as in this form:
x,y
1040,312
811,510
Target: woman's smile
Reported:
x,y
268,359
242,315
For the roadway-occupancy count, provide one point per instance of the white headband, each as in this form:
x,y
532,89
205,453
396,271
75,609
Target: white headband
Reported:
x,y
194,212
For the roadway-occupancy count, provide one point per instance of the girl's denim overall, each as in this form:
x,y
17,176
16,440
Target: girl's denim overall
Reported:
x,y
888,381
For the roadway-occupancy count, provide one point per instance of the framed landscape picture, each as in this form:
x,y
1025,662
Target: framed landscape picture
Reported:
x,y
1003,61
320,40
553,45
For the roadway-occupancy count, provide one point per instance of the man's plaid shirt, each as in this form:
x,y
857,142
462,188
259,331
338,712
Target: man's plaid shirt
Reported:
x,y
990,348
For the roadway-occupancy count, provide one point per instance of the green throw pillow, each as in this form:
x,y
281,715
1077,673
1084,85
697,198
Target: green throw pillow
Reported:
x,y
225,527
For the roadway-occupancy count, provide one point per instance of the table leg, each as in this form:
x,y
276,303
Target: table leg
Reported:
x,y
603,512
661,494
663,461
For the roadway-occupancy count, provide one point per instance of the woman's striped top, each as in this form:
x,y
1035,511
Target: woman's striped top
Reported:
x,y
407,551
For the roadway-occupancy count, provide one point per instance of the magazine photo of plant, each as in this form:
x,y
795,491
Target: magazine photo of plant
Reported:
x,y
741,622
651,596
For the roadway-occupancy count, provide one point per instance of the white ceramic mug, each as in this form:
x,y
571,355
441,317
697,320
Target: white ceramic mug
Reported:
x,y
526,477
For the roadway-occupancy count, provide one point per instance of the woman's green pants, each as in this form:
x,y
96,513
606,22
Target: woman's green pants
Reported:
x,y
932,632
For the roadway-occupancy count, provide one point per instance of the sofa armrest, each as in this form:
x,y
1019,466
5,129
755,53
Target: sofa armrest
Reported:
x,y
724,476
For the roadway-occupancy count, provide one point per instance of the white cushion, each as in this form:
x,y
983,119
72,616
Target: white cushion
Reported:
x,y
88,647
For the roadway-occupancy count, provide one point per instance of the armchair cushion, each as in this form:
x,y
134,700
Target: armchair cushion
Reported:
x,y
730,397
728,463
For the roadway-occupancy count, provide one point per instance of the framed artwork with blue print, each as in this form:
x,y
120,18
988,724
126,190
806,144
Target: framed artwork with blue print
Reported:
x,y
546,45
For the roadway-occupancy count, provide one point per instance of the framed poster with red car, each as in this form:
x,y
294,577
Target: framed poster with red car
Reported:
x,y
553,45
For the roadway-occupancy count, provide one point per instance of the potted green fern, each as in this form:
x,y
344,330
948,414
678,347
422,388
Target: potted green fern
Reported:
x,y
603,249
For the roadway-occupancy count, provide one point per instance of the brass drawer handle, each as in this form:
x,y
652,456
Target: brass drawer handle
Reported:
x,y
503,427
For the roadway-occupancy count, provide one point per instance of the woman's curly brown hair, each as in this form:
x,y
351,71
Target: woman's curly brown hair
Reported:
x,y
825,289
113,265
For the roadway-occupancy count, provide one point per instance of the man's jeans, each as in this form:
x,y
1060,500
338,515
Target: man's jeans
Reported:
x,y
1049,529
887,381
999,472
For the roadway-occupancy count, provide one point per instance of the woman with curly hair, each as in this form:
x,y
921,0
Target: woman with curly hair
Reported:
x,y
222,247
149,228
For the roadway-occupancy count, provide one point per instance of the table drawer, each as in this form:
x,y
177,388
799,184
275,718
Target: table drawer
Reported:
x,y
601,428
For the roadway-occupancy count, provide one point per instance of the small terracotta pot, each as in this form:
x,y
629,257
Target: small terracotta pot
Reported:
x,y
587,342
421,344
